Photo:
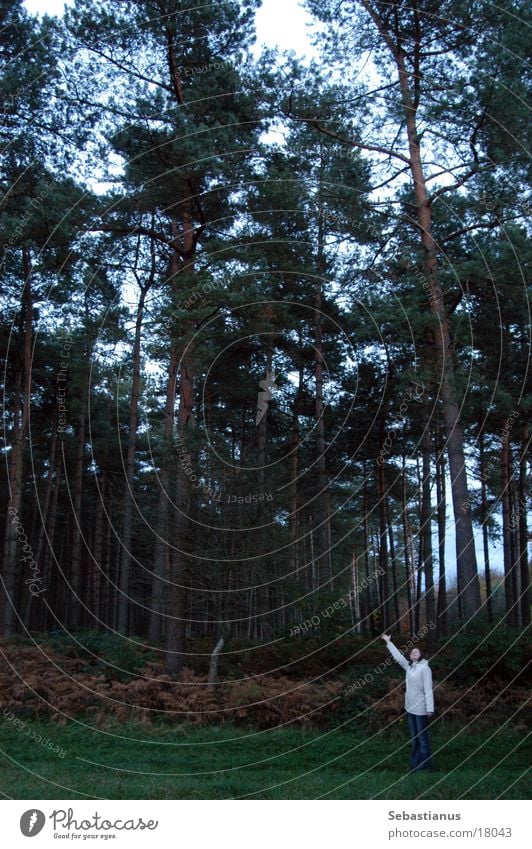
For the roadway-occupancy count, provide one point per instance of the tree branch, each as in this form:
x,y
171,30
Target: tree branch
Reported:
x,y
480,225
129,231
460,182
313,122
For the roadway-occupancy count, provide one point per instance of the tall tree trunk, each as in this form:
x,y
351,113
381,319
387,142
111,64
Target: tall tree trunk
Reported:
x,y
465,544
523,530
426,519
21,414
383,548
509,566
408,554
320,509
182,266
393,559
161,555
107,594
261,566
96,570
418,594
356,614
44,518
514,535
48,553
485,537
294,448
370,614
74,604
442,621
178,564
384,613
127,525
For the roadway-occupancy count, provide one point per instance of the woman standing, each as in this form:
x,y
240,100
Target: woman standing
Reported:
x,y
419,703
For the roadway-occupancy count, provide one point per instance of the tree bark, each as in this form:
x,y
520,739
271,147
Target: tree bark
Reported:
x,y
523,530
74,604
442,619
323,564
322,519
213,666
485,537
409,565
161,561
509,566
383,546
97,552
294,448
426,520
370,613
44,519
21,415
127,525
393,561
465,546
178,567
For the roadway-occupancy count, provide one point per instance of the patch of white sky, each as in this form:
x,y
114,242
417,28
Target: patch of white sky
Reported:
x,y
288,26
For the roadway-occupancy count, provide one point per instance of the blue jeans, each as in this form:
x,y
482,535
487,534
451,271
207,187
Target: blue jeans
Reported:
x,y
421,757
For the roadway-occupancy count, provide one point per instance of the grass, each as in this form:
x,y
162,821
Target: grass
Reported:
x,y
136,761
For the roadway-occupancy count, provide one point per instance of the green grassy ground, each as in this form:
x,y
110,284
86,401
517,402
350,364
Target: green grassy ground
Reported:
x,y
145,762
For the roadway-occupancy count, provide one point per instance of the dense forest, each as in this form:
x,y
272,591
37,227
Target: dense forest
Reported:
x,y
266,338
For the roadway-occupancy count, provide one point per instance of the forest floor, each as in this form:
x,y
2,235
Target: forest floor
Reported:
x,y
90,719
139,761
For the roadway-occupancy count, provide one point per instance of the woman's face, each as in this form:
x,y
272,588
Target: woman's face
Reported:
x,y
415,654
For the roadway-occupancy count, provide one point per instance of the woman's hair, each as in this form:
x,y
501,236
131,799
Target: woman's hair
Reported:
x,y
422,655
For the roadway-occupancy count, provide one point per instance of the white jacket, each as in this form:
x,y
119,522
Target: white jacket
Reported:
x,y
419,698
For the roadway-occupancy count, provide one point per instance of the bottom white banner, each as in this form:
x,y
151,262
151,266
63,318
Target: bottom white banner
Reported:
x,y
255,824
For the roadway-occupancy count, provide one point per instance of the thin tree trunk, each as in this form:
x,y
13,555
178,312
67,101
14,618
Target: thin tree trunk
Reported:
x,y
322,517
485,537
442,620
178,574
127,525
383,547
44,517
47,551
393,560
408,561
324,573
74,605
16,465
514,536
426,520
523,531
419,570
509,566
261,566
107,600
355,595
161,555
294,448
370,618
96,563
213,666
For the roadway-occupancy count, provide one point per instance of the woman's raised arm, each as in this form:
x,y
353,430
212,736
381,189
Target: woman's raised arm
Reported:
x,y
395,653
